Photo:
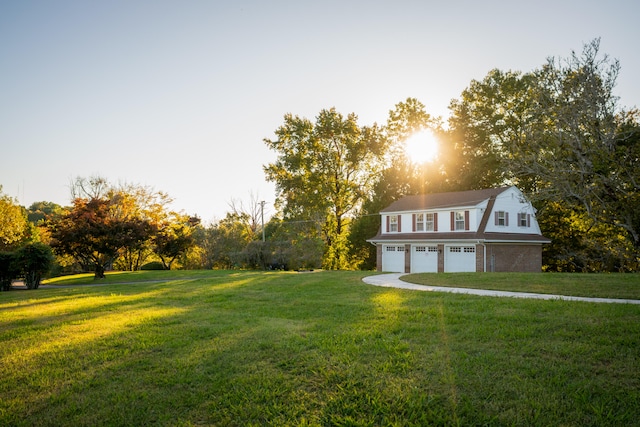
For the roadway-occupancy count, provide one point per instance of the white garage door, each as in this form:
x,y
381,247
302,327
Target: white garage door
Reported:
x,y
393,258
459,258
424,259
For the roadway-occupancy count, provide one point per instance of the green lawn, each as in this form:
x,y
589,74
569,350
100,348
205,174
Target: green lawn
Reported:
x,y
621,286
250,348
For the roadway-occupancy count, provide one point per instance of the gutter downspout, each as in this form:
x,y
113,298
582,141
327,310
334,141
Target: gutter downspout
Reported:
x,y
485,257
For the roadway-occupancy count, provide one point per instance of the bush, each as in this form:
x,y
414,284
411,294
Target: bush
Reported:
x,y
34,261
9,270
153,265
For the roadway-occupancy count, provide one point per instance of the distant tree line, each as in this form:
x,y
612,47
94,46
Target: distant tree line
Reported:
x,y
557,132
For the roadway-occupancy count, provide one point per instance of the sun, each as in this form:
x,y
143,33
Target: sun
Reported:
x,y
422,146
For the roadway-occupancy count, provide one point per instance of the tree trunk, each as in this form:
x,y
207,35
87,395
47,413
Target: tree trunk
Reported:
x,y
165,266
32,280
99,273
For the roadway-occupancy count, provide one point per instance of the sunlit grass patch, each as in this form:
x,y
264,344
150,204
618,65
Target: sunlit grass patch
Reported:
x,y
83,278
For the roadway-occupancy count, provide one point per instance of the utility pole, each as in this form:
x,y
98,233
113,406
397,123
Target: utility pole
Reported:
x,y
262,216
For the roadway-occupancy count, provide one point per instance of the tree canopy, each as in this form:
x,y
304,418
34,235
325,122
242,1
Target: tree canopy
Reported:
x,y
323,171
560,135
94,235
13,222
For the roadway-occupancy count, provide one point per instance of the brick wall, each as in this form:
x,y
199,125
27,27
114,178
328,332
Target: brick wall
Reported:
x,y
514,258
407,258
479,258
441,258
379,257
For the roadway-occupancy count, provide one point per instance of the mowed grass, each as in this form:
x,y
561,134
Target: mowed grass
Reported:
x,y
253,348
613,285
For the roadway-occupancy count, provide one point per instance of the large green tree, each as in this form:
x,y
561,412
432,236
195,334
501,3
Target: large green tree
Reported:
x,y
400,176
489,117
39,212
174,237
322,173
586,154
225,242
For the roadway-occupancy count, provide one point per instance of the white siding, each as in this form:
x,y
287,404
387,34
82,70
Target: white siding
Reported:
x,y
512,202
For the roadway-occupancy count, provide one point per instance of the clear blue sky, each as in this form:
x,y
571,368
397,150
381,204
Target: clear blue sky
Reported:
x,y
179,95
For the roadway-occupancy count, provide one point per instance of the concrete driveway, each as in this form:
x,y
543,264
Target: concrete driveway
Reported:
x,y
392,280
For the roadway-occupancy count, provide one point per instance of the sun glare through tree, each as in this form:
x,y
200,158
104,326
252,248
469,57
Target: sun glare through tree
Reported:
x,y
422,146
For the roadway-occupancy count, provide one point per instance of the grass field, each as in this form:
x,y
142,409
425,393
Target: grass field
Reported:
x,y
251,348
621,286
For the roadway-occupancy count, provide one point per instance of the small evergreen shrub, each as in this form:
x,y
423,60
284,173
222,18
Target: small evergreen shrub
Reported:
x,y
9,270
34,260
153,265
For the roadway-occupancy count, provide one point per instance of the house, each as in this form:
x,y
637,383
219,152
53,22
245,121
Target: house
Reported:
x,y
481,230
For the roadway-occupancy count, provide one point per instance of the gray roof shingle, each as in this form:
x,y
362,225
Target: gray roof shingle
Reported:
x,y
443,200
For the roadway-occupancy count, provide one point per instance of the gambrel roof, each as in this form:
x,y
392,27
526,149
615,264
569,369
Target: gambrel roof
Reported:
x,y
443,200
468,236
453,200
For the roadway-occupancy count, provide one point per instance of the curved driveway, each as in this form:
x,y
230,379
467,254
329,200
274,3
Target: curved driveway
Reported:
x,y
392,280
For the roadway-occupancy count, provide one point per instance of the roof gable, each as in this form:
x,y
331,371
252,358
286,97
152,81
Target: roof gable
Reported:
x,y
443,200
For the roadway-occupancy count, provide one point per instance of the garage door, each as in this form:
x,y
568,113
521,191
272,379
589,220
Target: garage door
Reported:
x,y
393,258
459,259
424,259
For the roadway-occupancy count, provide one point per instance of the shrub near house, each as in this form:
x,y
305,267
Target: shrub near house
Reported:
x,y
493,229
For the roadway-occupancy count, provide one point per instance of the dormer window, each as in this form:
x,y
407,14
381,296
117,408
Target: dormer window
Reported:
x,y
393,223
425,222
502,219
459,220
429,224
524,219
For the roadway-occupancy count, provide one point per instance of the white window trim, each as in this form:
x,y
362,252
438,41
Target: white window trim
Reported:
x,y
393,223
459,221
429,224
420,222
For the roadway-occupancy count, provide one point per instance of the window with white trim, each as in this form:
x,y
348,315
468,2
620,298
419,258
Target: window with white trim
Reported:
x,y
429,221
390,248
524,219
433,249
459,220
421,248
393,223
400,248
501,218
455,249
420,222
469,249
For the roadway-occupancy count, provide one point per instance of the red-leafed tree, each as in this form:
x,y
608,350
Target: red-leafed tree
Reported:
x,y
94,234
